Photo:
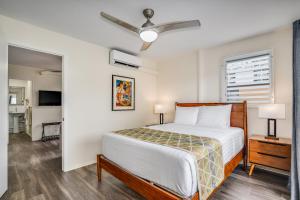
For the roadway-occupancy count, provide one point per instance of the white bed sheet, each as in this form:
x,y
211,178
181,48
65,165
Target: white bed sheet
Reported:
x,y
170,168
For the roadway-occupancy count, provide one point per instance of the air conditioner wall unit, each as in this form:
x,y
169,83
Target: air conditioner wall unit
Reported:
x,y
118,58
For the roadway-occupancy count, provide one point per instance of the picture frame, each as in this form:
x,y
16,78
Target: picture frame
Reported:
x,y
123,93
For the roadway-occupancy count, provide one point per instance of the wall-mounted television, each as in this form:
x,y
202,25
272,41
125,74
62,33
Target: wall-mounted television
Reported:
x,y
49,98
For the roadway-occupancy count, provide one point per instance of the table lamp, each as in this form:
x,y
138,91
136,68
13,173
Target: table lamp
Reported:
x,y
160,109
272,112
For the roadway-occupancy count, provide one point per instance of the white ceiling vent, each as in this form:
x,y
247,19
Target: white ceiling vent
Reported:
x,y
118,58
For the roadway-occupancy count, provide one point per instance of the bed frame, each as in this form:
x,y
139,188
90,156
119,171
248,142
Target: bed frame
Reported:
x,y
151,191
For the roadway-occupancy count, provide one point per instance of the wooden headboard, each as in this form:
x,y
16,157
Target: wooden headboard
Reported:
x,y
238,116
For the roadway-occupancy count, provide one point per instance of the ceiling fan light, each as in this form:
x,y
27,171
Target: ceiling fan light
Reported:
x,y
148,35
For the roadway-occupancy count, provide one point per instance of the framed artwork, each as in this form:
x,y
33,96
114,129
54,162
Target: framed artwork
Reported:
x,y
123,93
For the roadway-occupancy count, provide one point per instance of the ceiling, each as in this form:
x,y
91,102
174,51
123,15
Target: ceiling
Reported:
x,y
29,58
222,20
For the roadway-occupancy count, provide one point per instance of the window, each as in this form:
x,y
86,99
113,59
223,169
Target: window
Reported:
x,y
249,78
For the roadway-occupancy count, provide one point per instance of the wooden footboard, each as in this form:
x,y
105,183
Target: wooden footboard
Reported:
x,y
146,188
141,186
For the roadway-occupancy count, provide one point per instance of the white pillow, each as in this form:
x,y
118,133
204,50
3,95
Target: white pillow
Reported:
x,y
186,115
214,116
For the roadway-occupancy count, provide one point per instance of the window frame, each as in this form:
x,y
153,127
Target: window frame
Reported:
x,y
242,57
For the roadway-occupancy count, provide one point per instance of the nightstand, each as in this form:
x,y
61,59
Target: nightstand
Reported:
x,y
270,153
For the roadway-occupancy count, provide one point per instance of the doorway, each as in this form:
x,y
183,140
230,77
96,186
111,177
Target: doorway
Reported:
x,y
35,104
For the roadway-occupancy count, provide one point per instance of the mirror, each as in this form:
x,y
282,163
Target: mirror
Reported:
x,y
16,95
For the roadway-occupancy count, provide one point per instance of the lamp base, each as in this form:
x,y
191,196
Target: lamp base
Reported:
x,y
161,118
271,138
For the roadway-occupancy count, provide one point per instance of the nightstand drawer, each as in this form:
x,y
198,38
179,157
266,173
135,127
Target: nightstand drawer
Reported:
x,y
283,150
279,162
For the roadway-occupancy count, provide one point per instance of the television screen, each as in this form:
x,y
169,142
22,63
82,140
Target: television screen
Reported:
x,y
49,98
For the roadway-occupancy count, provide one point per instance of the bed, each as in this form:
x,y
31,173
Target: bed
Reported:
x,y
161,172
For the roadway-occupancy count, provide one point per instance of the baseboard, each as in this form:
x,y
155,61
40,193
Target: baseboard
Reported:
x,y
269,169
80,165
277,171
28,134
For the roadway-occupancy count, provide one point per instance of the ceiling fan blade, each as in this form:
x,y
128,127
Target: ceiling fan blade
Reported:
x,y
146,45
177,25
120,22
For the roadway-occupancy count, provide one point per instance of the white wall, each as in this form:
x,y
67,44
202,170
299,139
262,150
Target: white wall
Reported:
x,y
87,88
280,43
49,82
177,81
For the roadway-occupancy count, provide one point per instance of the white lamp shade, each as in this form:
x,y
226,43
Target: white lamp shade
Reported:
x,y
159,108
148,35
272,111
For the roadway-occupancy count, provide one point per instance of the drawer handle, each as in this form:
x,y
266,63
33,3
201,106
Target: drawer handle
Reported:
x,y
272,143
266,154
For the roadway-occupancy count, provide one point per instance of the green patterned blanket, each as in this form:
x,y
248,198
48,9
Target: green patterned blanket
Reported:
x,y
207,152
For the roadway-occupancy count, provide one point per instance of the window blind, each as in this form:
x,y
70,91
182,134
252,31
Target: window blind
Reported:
x,y
249,79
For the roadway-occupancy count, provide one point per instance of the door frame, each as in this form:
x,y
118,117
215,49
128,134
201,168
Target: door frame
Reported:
x,y
63,105
4,111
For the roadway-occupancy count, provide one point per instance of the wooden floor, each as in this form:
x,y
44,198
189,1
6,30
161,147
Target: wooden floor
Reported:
x,y
35,174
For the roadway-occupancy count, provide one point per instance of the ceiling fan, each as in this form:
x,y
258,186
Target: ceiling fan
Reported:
x,y
149,32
